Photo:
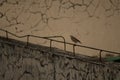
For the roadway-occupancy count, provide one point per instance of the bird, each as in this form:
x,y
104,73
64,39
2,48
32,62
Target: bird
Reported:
x,y
74,39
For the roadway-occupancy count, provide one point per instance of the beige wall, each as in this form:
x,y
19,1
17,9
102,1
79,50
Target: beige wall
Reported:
x,y
94,22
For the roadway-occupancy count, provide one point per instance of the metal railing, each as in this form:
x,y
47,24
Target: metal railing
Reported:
x,y
64,42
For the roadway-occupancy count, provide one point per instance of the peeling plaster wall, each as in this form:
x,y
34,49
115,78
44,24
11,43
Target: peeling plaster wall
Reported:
x,y
19,62
94,22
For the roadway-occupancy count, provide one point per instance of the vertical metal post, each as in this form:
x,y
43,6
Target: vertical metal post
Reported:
x,y
100,55
50,45
64,46
28,39
6,34
74,49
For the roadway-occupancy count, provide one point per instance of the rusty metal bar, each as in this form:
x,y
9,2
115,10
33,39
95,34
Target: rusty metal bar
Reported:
x,y
48,38
100,55
28,39
12,33
74,49
6,34
50,45
64,46
59,37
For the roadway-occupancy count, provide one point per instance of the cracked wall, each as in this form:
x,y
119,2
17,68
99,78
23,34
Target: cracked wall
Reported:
x,y
19,62
94,22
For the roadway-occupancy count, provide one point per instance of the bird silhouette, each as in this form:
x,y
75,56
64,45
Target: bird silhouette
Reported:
x,y
74,39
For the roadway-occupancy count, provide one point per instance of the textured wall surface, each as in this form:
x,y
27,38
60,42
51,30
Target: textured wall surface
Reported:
x,y
95,22
18,62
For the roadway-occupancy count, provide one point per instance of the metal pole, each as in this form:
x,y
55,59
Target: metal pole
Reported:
x,y
100,55
6,34
50,45
64,46
74,49
28,39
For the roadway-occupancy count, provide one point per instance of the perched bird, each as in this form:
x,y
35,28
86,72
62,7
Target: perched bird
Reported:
x,y
75,40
